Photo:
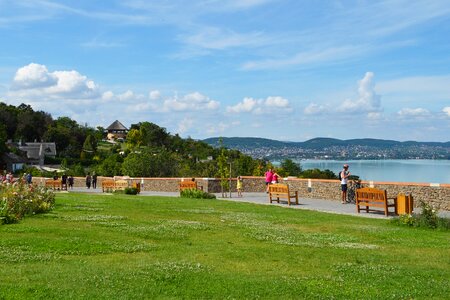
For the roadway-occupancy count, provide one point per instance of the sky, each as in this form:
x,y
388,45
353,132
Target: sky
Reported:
x,y
288,70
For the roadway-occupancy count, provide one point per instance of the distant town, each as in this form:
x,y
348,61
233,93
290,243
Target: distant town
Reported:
x,y
325,148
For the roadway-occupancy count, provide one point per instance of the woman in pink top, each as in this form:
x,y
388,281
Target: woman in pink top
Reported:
x,y
275,177
269,178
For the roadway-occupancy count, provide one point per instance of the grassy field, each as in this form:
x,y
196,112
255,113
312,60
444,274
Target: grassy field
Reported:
x,y
132,247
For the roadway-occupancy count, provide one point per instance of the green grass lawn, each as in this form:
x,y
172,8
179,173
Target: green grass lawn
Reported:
x,y
133,247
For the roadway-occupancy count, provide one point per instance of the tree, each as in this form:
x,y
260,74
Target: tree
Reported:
x,y
153,135
318,174
8,117
149,163
223,171
3,139
290,168
89,147
111,166
134,139
31,125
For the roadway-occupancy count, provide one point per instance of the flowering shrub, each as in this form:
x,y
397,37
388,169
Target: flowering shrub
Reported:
x,y
20,199
427,218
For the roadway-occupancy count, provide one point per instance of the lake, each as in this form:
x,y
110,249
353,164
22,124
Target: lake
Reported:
x,y
397,170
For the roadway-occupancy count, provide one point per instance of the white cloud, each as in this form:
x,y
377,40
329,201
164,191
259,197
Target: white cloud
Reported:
x,y
414,113
315,109
446,110
107,96
190,102
368,100
35,81
154,95
306,58
218,128
375,116
261,106
33,76
184,125
128,95
247,105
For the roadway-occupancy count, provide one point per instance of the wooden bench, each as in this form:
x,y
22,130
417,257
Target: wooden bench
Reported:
x,y
279,190
189,184
53,184
108,185
371,197
120,185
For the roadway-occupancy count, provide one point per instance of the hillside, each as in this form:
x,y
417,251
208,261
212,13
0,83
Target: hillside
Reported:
x,y
330,148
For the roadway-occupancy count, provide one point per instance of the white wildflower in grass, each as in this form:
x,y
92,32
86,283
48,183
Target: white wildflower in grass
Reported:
x,y
93,218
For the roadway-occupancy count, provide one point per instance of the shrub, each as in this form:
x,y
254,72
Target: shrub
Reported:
x,y
20,199
198,194
427,218
131,191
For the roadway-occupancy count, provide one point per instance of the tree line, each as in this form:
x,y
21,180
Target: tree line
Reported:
x,y
148,150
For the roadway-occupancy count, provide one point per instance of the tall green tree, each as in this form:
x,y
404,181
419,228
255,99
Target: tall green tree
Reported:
x,y
290,168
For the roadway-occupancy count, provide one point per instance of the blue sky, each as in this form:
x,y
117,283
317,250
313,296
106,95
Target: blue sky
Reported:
x,y
286,69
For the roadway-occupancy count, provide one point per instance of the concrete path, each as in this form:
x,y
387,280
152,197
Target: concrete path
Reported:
x,y
323,205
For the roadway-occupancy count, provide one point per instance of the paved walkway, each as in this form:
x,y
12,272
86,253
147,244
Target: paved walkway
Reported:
x,y
323,205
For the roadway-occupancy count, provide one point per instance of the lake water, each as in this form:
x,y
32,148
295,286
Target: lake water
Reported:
x,y
397,170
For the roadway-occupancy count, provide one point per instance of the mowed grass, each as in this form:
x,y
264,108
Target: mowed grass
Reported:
x,y
133,247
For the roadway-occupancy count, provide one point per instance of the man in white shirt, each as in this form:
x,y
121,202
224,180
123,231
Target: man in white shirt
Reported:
x,y
344,181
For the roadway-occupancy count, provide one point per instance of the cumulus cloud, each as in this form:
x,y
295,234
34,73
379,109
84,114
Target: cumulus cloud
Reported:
x,y
368,101
35,80
261,106
33,76
446,110
190,102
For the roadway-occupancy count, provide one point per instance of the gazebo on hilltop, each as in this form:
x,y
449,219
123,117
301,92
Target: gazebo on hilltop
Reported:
x,y
116,131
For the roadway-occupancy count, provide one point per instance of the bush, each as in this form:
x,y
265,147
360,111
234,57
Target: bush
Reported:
x,y
428,218
198,194
20,199
131,191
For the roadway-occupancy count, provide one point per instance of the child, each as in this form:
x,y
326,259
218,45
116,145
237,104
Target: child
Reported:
x,y
239,186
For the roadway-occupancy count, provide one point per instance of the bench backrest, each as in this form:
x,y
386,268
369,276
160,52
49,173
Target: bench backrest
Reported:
x,y
279,188
371,194
188,185
108,183
121,184
52,182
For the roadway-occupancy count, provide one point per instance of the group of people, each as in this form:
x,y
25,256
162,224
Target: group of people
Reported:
x,y
8,178
66,181
91,180
271,178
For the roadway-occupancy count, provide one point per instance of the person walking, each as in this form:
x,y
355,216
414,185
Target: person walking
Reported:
x,y
70,180
94,180
343,175
64,182
88,180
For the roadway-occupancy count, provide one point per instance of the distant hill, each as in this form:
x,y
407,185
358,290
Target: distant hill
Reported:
x,y
335,148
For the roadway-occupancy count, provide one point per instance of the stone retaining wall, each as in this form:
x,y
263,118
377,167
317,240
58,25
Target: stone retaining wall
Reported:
x,y
437,195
